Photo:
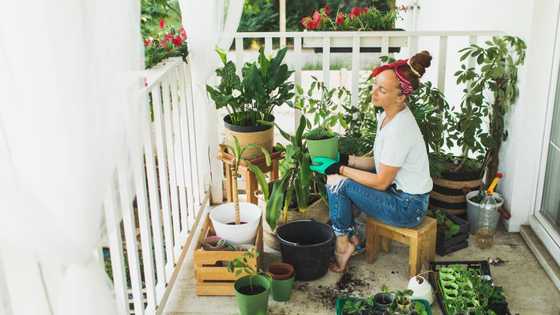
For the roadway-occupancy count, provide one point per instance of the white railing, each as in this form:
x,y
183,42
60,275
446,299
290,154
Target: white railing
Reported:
x,y
407,43
158,194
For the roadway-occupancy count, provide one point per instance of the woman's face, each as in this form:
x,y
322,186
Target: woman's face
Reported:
x,y
386,91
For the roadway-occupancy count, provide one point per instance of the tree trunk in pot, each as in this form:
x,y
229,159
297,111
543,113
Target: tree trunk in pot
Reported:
x,y
235,196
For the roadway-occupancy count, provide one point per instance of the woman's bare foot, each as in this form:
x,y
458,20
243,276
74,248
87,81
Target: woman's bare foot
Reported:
x,y
343,252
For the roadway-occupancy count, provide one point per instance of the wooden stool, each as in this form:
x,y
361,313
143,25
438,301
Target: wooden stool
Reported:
x,y
420,239
251,185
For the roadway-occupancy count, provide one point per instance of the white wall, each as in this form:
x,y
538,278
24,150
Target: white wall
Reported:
x,y
513,17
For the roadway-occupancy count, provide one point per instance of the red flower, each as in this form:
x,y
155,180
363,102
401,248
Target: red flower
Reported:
x,y
316,17
327,10
177,41
340,18
355,12
305,22
364,10
313,25
183,33
161,23
147,42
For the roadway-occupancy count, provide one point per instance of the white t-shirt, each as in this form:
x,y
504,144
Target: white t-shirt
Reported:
x,y
401,144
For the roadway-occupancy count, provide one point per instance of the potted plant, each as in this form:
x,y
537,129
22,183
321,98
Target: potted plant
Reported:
x,y
323,104
452,232
291,196
282,283
251,98
237,222
357,19
252,290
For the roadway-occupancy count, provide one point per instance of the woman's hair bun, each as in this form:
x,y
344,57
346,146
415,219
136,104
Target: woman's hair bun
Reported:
x,y
421,61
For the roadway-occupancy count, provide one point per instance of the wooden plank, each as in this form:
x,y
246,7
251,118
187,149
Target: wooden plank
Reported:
x,y
238,54
188,177
162,173
355,70
177,104
327,61
114,234
170,153
137,158
154,197
442,63
129,225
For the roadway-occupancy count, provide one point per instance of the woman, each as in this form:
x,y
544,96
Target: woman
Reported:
x,y
397,193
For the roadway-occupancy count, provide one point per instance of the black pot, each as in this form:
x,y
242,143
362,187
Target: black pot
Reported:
x,y
236,128
308,246
382,302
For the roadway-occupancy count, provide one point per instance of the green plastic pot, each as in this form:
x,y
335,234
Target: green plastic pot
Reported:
x,y
283,277
252,304
323,148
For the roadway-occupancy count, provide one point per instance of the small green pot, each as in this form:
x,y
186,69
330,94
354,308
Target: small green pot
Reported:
x,y
252,304
282,281
323,148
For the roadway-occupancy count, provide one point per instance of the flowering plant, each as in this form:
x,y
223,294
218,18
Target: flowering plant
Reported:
x,y
358,19
166,42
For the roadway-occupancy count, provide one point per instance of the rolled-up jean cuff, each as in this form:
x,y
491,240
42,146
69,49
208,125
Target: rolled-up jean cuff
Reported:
x,y
340,232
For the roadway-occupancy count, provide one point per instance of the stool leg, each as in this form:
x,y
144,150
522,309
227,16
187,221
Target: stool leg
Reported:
x,y
373,242
414,257
386,244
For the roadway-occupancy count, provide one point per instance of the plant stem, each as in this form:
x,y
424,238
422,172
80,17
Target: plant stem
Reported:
x,y
235,197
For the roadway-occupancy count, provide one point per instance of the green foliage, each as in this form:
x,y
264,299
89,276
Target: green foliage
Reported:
x,y
251,98
360,124
296,177
322,104
449,227
466,290
259,16
491,90
241,265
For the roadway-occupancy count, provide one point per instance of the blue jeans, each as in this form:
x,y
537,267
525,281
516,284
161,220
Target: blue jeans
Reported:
x,y
391,207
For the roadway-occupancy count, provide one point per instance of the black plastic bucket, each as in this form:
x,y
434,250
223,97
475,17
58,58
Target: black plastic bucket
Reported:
x,y
308,246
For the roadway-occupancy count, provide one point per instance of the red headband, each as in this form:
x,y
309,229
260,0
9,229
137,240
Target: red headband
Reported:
x,y
406,86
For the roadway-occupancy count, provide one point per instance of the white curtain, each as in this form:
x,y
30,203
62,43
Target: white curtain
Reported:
x,y
69,71
209,27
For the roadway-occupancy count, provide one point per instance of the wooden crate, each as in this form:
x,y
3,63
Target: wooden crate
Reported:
x,y
210,267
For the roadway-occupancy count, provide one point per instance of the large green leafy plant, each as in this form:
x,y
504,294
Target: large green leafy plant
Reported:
x,y
250,99
296,179
491,90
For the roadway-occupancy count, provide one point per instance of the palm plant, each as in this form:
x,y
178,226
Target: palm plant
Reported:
x,y
237,151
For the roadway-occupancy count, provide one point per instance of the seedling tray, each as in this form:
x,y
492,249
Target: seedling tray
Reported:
x,y
481,265
341,300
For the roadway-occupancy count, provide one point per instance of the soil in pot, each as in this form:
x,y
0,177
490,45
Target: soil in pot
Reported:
x,y
251,290
240,223
308,246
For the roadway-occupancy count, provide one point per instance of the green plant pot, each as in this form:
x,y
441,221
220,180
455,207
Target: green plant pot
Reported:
x,y
252,303
323,148
283,277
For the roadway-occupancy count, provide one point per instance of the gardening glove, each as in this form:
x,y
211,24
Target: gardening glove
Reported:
x,y
328,166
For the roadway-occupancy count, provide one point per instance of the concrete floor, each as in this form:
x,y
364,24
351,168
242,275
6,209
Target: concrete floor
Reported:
x,y
528,289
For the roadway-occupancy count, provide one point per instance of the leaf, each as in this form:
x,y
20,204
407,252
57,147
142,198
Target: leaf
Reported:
x,y
261,179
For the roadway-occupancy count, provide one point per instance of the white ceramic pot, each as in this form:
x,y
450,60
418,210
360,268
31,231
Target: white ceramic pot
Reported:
x,y
238,234
421,288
